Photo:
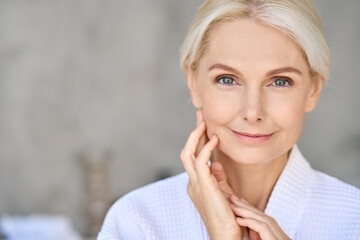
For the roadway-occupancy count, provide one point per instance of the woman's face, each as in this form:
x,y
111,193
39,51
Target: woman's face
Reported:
x,y
253,79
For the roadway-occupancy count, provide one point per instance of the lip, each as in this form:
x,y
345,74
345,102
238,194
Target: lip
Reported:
x,y
252,138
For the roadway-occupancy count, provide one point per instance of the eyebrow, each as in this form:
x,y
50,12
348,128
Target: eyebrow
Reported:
x,y
270,73
224,67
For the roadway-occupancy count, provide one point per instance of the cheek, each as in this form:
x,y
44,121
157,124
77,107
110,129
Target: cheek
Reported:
x,y
288,115
219,109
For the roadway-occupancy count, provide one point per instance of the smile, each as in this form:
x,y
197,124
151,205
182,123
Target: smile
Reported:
x,y
252,138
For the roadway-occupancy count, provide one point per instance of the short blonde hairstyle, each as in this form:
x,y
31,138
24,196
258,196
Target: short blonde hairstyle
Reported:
x,y
296,18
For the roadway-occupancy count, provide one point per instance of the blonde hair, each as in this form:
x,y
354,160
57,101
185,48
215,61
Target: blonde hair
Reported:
x,y
296,18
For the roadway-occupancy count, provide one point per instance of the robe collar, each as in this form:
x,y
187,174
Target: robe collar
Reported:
x,y
287,200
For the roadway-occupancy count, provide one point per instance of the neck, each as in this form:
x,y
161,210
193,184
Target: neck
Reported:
x,y
254,182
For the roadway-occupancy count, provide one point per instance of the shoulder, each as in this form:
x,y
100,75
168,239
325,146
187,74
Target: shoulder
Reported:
x,y
155,196
333,204
171,185
309,204
334,192
149,210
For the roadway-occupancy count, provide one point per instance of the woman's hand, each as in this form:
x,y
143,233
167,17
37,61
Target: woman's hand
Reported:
x,y
203,187
261,225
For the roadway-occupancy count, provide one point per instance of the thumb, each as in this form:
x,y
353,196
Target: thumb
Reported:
x,y
217,170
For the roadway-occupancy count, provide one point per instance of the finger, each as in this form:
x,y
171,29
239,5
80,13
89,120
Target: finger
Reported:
x,y
203,139
247,213
243,203
201,163
245,209
260,227
189,168
241,211
187,154
205,153
192,142
218,171
243,200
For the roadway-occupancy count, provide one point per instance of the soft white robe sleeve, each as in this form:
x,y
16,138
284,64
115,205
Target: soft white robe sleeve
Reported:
x,y
121,223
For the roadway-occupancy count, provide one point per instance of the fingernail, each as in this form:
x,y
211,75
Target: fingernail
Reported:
x,y
213,138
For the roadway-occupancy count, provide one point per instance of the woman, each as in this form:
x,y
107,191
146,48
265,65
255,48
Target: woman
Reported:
x,y
253,67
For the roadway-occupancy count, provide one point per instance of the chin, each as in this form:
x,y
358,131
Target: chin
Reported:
x,y
252,155
250,159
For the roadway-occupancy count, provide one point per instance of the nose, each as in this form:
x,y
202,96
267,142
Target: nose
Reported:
x,y
253,106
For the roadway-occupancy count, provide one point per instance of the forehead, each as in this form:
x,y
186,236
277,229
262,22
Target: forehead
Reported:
x,y
247,44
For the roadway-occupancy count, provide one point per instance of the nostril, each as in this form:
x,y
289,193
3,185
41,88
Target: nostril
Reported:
x,y
255,119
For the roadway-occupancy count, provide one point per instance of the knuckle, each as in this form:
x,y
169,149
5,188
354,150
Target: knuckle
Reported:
x,y
269,219
182,157
184,154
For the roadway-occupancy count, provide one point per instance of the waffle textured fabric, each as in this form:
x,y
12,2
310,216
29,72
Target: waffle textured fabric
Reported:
x,y
306,203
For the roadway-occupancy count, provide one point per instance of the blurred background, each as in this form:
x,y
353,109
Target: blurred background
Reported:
x,y
93,104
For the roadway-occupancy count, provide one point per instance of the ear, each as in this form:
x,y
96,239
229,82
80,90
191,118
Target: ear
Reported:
x,y
314,94
193,87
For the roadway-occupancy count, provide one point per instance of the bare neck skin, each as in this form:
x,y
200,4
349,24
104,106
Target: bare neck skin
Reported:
x,y
255,182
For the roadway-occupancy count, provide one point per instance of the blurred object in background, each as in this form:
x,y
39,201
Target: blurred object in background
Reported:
x,y
95,163
163,173
38,227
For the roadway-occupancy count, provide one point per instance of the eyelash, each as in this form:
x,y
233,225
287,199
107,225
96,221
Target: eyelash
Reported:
x,y
288,81
218,79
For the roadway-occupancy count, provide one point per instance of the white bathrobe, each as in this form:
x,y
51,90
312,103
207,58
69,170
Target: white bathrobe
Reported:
x,y
307,204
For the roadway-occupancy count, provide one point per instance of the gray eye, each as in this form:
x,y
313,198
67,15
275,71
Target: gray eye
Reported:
x,y
281,82
226,80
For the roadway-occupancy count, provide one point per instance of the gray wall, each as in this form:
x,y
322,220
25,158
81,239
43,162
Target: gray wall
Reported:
x,y
77,75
